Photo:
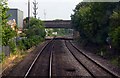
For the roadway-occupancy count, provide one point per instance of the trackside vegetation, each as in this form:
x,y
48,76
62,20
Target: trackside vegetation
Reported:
x,y
98,23
18,42
33,35
6,32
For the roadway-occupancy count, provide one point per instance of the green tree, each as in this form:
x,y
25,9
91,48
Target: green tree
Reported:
x,y
92,21
115,29
3,13
34,34
36,28
7,32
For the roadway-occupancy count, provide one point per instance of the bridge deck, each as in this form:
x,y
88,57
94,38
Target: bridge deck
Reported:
x,y
59,38
57,24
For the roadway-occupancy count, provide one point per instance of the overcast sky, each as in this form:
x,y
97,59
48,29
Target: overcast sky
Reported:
x,y
54,9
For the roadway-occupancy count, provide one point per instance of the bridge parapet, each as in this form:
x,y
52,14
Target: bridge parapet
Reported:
x,y
59,38
57,24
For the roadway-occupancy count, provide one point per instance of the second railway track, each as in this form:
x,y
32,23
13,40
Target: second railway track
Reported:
x,y
42,65
90,65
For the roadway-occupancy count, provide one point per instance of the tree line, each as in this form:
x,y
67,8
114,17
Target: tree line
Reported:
x,y
98,23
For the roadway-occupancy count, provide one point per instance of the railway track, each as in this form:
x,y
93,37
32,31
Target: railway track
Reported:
x,y
31,68
63,58
88,66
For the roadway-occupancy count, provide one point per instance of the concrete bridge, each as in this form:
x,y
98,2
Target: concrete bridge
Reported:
x,y
59,38
58,24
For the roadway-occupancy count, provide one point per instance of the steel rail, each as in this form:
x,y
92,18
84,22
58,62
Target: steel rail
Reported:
x,y
50,63
97,63
79,61
31,66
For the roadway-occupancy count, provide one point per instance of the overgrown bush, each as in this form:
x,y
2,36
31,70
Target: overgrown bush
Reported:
x,y
115,29
21,45
12,44
115,36
2,57
34,34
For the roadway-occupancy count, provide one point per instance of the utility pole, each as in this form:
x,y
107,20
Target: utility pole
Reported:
x,y
28,13
35,8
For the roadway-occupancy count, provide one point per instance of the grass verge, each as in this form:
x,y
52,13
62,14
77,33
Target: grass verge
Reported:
x,y
15,58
